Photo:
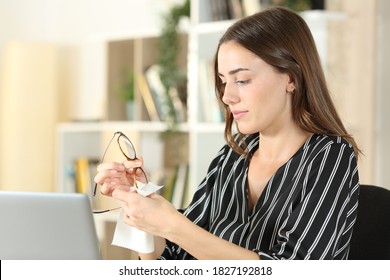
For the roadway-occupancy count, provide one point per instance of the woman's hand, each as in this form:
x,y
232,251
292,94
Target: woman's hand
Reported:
x,y
111,175
152,214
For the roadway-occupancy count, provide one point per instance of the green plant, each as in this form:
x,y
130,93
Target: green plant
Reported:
x,y
296,5
126,89
169,44
169,48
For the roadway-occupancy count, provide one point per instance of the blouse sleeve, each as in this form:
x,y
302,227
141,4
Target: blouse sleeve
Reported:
x,y
320,225
198,211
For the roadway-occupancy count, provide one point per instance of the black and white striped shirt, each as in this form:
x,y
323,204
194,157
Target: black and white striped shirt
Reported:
x,y
306,211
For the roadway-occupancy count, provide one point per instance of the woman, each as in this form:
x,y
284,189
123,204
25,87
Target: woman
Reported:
x,y
286,185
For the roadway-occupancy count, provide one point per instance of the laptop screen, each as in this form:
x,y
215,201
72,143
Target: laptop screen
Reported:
x,y
47,226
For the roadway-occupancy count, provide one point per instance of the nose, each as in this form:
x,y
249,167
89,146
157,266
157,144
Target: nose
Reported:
x,y
230,95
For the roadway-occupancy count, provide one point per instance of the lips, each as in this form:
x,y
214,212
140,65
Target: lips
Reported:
x,y
239,114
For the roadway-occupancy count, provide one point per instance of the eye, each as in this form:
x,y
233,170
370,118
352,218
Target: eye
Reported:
x,y
242,82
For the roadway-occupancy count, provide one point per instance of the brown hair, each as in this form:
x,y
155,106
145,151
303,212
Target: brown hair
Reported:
x,y
282,39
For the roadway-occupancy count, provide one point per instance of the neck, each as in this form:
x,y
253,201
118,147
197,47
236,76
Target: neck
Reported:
x,y
282,146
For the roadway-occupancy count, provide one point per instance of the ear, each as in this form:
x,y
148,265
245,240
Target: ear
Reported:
x,y
290,87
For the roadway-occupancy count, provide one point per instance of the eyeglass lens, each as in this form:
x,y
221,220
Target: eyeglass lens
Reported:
x,y
127,147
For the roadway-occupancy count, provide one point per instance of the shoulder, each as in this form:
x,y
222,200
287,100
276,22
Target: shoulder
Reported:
x,y
327,149
321,142
226,156
249,141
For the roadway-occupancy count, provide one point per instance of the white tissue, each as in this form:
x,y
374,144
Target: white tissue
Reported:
x,y
132,238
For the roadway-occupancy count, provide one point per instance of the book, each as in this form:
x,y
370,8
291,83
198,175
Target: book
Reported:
x,y
219,10
160,96
180,185
208,105
235,8
168,103
178,106
147,97
169,184
83,175
188,191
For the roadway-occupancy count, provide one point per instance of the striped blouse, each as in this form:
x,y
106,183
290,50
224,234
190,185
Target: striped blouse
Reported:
x,y
306,211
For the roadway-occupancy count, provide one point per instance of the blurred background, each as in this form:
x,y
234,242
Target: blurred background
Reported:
x,y
54,68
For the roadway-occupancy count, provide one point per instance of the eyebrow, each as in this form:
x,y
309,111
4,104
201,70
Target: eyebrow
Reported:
x,y
235,71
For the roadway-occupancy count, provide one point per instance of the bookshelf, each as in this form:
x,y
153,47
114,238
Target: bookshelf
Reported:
x,y
199,136
197,139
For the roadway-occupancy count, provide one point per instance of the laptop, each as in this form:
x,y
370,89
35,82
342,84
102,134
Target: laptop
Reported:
x,y
47,226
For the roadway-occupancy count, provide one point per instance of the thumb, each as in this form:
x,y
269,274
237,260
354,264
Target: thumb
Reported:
x,y
121,193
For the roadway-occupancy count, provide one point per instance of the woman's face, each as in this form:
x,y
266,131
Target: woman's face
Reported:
x,y
259,97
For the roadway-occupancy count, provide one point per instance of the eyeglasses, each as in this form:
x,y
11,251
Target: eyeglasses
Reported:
x,y
128,150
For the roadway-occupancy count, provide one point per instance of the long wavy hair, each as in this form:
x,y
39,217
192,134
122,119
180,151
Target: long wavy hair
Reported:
x,y
282,39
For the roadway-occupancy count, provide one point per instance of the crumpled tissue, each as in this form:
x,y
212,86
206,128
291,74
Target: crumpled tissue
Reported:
x,y
132,238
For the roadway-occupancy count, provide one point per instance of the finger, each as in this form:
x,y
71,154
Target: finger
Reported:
x,y
122,193
114,183
127,220
111,166
141,175
131,164
106,175
108,187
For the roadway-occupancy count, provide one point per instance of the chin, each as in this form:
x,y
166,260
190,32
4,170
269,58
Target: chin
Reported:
x,y
246,130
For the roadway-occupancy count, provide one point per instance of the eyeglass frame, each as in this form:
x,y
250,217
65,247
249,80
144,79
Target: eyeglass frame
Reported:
x,y
121,134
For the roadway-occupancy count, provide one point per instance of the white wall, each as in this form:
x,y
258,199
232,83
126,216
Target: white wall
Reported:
x,y
71,20
73,25
75,29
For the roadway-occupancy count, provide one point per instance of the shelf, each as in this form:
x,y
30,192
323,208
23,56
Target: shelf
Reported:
x,y
196,141
142,126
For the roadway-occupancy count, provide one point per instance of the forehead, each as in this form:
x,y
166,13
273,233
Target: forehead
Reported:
x,y
234,49
232,55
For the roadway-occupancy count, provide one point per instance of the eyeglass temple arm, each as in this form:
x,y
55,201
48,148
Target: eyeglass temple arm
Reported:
x,y
105,211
